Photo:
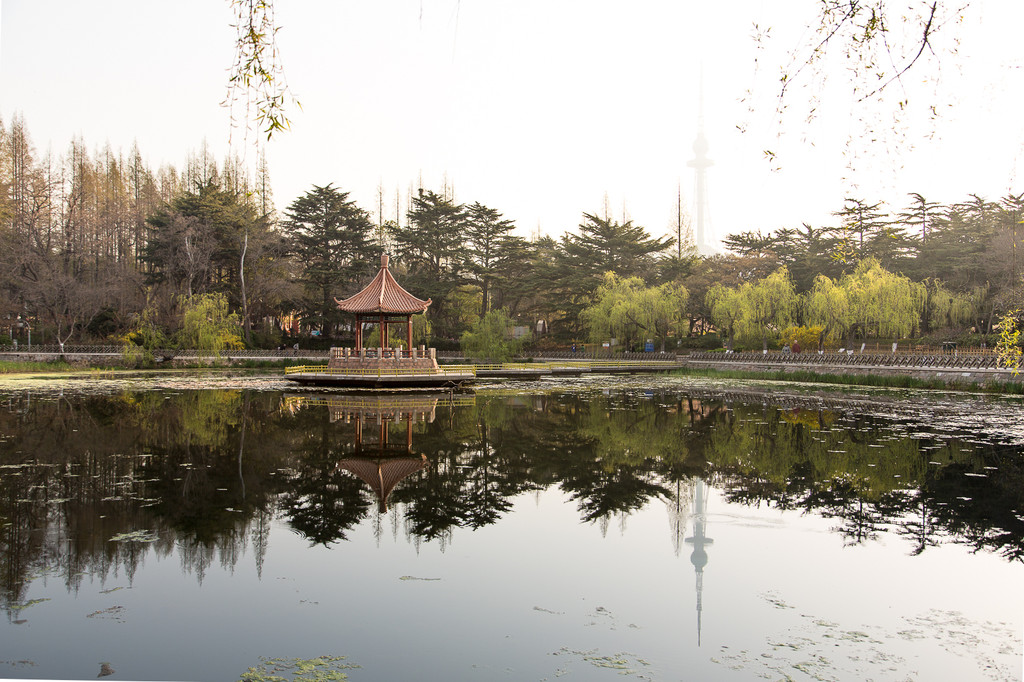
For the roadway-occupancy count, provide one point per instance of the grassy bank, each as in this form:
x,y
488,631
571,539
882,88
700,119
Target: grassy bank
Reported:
x,y
115,365
881,380
8,367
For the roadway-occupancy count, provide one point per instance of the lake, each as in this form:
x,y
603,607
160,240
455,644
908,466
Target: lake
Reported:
x,y
190,527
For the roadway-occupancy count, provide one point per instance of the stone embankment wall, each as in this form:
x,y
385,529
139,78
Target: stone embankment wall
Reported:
x,y
112,356
978,369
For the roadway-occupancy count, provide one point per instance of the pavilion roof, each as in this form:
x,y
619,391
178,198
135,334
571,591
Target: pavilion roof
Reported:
x,y
383,295
382,475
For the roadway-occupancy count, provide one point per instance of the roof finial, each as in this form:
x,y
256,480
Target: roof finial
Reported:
x,y
384,261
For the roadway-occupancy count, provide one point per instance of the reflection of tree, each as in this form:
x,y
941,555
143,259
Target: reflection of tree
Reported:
x,y
204,474
324,504
477,468
78,472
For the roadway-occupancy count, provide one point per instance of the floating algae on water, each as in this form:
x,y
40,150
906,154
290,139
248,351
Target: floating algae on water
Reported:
x,y
136,536
321,669
18,608
818,649
624,662
113,613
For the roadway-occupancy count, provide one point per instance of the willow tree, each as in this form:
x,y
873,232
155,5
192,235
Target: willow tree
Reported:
x,y
724,303
491,339
882,302
206,324
628,309
947,309
767,306
828,305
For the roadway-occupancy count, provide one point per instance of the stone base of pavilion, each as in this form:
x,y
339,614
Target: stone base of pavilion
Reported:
x,y
382,368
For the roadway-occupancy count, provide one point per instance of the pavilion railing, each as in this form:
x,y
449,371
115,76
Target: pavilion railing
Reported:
x,y
442,370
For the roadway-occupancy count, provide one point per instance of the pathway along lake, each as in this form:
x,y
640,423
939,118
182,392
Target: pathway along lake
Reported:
x,y
191,528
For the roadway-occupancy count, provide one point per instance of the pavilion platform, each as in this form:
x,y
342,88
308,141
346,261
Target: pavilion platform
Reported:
x,y
382,368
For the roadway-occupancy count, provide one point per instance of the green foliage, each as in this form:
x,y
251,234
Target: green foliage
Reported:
x,y
948,309
195,241
882,303
1008,347
206,324
626,309
602,245
724,304
828,307
491,340
9,367
144,338
767,306
490,244
330,238
872,301
433,249
257,76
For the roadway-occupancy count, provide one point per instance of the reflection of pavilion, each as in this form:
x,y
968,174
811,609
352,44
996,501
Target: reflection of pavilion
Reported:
x,y
699,556
379,460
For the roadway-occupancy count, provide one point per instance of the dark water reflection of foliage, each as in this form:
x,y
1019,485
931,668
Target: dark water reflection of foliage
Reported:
x,y
206,472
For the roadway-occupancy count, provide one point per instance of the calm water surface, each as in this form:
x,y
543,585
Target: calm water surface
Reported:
x,y
641,528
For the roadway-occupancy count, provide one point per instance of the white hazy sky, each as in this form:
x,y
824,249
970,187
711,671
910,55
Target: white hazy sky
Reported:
x,y
539,109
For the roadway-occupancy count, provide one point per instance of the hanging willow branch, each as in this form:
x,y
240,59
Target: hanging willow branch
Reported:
x,y
257,83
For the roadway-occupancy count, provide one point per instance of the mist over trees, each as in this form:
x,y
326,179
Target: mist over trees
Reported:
x,y
99,247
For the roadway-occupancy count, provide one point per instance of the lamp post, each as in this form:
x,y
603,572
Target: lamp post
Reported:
x,y
23,324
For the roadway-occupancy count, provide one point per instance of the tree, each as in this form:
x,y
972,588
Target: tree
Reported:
x,y
828,306
767,306
858,52
206,324
726,310
603,245
882,303
330,238
196,241
922,212
257,75
860,223
1008,347
433,249
143,339
486,233
491,338
625,308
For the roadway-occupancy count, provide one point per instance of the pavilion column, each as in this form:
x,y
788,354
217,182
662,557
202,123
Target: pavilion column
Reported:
x,y
408,331
359,333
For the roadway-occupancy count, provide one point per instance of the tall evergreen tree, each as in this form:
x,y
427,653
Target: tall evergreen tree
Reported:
x,y
604,245
432,247
331,239
486,233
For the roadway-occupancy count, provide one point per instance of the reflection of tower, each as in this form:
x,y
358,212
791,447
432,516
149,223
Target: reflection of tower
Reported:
x,y
700,164
699,557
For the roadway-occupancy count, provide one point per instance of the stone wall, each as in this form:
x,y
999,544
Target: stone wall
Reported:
x,y
850,366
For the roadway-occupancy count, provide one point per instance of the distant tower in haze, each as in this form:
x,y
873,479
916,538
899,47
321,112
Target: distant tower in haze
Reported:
x,y
700,164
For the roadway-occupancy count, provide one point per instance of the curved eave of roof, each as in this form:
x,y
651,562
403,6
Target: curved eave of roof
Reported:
x,y
383,295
